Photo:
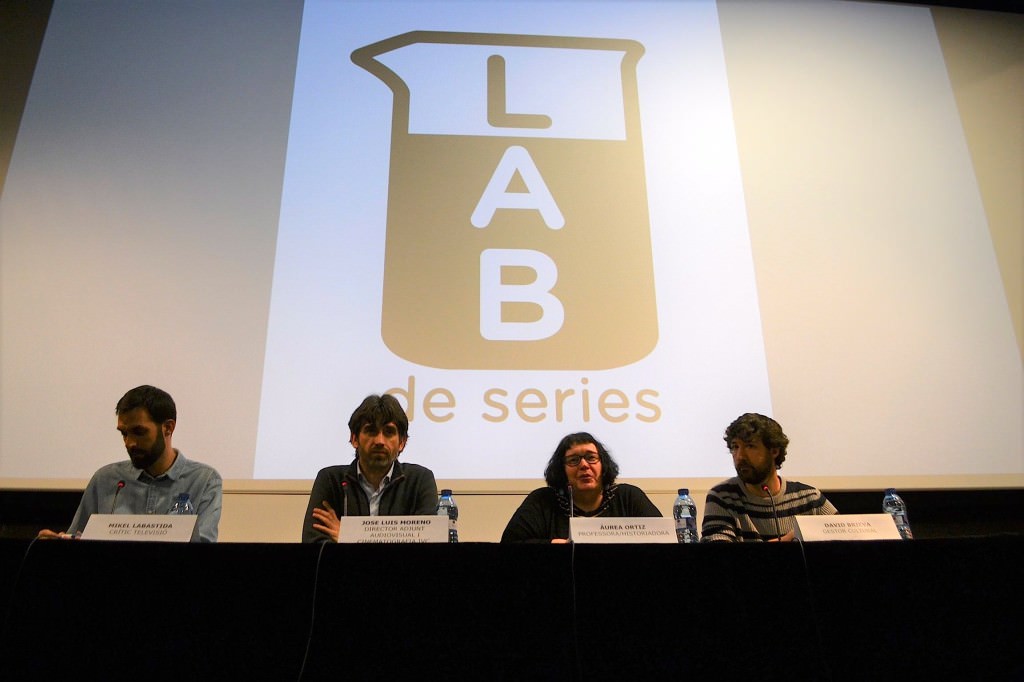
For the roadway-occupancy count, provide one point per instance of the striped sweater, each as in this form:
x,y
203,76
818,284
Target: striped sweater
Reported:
x,y
732,514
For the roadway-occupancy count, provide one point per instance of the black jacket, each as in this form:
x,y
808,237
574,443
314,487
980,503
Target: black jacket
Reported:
x,y
411,491
544,514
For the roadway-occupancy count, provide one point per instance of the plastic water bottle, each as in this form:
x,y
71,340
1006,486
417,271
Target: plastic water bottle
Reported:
x,y
446,507
685,513
181,505
894,506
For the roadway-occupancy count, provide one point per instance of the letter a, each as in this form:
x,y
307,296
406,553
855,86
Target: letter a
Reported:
x,y
493,293
537,197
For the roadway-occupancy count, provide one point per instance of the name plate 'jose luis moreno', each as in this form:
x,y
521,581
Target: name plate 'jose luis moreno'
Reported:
x,y
390,529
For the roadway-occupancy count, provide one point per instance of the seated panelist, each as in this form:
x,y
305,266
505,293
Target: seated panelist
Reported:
x,y
757,505
375,483
155,473
580,480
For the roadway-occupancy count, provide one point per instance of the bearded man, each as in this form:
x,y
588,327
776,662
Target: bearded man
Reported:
x,y
155,474
757,505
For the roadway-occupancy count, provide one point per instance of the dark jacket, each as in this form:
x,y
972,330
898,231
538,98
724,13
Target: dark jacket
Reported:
x,y
544,514
411,491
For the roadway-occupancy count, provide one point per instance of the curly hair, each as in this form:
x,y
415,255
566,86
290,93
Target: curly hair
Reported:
x,y
554,473
752,426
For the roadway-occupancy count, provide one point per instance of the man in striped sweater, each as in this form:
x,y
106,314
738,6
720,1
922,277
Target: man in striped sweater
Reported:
x,y
757,505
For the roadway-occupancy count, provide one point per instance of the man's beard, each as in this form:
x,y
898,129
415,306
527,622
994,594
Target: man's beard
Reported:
x,y
751,475
143,459
376,460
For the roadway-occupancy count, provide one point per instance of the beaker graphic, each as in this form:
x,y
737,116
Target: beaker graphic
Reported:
x,y
518,234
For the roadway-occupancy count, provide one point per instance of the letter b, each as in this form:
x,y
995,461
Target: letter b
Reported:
x,y
493,293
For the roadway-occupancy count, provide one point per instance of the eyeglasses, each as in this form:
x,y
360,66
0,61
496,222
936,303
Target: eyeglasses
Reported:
x,y
573,461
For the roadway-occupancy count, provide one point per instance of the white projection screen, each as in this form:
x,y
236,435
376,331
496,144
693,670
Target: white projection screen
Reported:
x,y
637,219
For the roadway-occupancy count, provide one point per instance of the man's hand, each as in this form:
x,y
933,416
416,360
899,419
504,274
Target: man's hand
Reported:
x,y
326,520
788,537
46,534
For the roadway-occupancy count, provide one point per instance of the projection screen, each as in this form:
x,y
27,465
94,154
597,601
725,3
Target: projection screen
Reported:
x,y
524,219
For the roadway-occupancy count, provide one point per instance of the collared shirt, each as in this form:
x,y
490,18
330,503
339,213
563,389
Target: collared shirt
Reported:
x,y
374,495
144,494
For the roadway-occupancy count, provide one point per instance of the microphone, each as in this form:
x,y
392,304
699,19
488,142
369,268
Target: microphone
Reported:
x,y
120,484
775,512
344,498
572,515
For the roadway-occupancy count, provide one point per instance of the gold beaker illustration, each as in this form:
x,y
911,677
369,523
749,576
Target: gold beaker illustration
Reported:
x,y
518,234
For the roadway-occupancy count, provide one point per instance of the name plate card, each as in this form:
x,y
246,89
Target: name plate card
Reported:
x,y
393,529
146,527
622,530
846,527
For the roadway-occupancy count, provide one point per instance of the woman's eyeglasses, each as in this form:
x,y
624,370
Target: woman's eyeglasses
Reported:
x,y
573,461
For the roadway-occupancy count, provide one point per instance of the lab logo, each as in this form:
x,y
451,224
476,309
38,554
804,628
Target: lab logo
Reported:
x,y
517,226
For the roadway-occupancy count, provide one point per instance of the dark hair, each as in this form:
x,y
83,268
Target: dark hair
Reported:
x,y
159,404
378,410
752,425
554,473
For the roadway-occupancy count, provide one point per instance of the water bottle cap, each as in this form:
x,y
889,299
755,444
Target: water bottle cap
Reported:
x,y
684,491
890,491
446,492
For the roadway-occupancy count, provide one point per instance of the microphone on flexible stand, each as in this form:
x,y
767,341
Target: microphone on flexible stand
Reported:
x,y
344,498
775,512
120,484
